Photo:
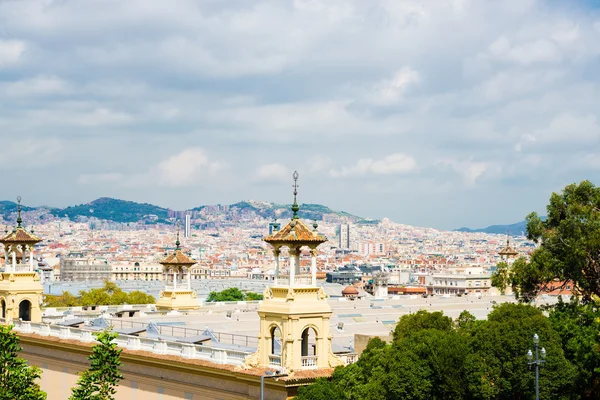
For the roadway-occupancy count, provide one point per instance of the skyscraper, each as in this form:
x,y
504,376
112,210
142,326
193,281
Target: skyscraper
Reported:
x,y
344,236
188,222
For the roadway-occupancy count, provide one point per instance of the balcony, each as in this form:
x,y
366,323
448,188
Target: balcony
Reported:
x,y
274,360
309,362
299,280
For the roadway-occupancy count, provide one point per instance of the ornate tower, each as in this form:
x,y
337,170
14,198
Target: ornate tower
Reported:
x,y
508,254
295,315
20,287
173,298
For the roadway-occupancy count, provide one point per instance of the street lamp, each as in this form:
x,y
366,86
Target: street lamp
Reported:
x,y
267,375
538,362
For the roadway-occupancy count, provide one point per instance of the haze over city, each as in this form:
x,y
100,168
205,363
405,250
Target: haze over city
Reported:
x,y
442,114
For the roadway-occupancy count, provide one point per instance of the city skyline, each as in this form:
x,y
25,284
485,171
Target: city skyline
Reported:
x,y
428,114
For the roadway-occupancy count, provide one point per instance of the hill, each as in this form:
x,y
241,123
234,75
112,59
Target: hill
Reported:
x,y
516,229
114,210
123,211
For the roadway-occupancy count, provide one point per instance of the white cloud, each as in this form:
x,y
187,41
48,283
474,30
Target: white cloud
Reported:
x,y
24,153
397,163
273,173
391,90
10,51
39,85
187,168
90,179
470,171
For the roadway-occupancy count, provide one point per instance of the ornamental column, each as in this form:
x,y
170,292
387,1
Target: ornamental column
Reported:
x,y
313,266
276,253
292,267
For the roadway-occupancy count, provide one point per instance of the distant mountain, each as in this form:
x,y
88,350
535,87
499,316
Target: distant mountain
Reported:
x,y
114,210
123,211
517,229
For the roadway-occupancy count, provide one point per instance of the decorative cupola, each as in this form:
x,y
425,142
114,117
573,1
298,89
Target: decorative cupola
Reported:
x,y
20,287
508,253
295,314
172,298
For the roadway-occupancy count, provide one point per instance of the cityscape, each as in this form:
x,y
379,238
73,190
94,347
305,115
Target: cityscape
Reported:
x,y
299,199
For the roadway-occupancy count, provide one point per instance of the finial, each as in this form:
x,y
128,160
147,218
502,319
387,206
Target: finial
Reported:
x,y
177,243
19,220
295,206
315,225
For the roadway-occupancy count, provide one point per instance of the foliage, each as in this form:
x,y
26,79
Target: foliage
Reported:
x,y
501,277
233,294
99,381
432,357
17,379
577,325
113,210
422,319
569,244
110,294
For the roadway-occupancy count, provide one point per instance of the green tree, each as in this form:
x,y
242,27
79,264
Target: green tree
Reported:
x,y
139,297
17,379
231,294
250,296
578,325
501,277
420,320
569,244
66,299
497,367
99,381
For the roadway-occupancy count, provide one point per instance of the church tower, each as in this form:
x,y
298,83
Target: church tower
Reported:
x,y
20,287
508,254
182,297
294,315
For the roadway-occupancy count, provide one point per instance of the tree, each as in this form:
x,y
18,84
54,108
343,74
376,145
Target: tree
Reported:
x,y
232,294
17,379
139,297
569,241
99,381
66,299
497,367
578,325
421,320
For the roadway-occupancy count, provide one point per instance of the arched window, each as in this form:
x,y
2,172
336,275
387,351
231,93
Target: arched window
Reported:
x,y
25,310
309,342
275,341
3,305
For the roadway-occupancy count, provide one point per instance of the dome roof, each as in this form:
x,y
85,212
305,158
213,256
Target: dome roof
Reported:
x,y
350,290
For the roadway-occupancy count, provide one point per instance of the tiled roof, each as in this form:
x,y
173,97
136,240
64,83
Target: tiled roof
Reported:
x,y
20,235
177,258
508,251
295,231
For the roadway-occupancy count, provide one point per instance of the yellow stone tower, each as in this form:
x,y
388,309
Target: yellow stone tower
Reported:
x,y
20,287
174,298
294,316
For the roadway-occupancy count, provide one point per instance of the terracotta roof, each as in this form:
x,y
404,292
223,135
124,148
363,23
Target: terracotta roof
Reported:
x,y
350,290
177,258
295,231
20,235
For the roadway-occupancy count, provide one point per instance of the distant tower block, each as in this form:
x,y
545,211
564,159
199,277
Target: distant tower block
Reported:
x,y
174,297
295,315
20,287
188,226
380,284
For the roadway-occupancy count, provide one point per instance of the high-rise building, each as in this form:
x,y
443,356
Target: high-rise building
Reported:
x,y
188,223
344,236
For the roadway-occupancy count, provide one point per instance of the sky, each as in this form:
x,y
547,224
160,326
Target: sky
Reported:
x,y
431,113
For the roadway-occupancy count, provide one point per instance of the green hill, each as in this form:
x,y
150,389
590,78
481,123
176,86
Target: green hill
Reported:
x,y
114,210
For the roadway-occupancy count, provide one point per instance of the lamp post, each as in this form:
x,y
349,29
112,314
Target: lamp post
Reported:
x,y
267,375
538,362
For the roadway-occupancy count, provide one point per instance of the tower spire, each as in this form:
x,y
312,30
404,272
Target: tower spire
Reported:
x,y
295,206
19,219
177,243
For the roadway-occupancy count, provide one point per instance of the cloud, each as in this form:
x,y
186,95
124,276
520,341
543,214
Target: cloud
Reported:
x,y
397,163
187,168
26,154
470,171
90,179
11,52
391,90
273,173
39,85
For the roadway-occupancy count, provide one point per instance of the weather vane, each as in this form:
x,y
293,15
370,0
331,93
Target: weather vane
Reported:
x,y
19,220
295,206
